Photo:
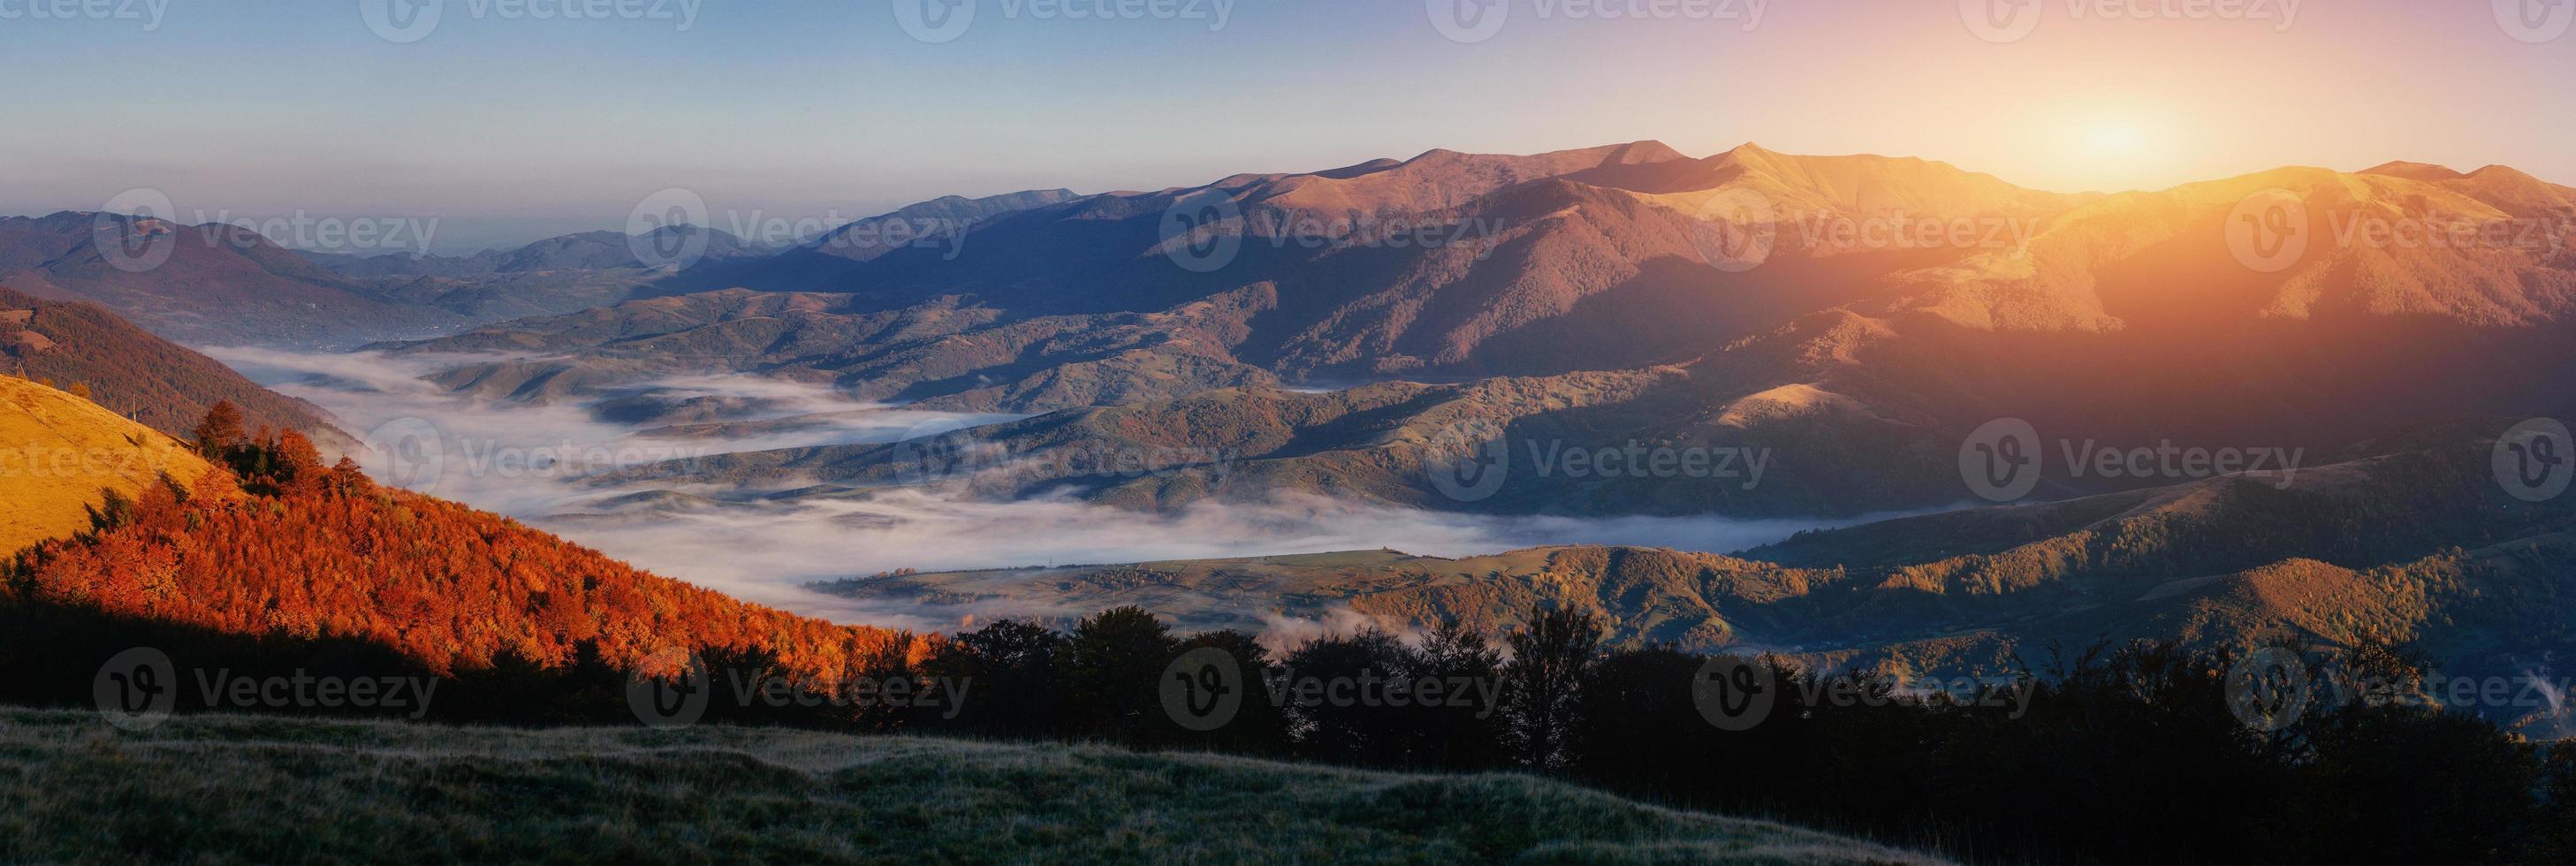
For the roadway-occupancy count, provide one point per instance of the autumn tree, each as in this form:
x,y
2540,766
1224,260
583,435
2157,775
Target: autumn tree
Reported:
x,y
221,429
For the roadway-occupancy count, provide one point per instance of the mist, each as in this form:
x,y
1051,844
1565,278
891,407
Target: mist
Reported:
x,y
526,461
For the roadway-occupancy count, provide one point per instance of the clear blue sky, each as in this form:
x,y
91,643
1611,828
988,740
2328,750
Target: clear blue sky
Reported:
x,y
505,126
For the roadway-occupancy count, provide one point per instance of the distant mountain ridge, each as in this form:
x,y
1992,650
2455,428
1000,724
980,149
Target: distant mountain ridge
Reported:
x,y
1584,308
939,224
585,251
1862,312
148,379
227,285
219,285
1546,275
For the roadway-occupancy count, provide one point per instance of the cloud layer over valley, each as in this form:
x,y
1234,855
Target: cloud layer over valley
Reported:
x,y
524,460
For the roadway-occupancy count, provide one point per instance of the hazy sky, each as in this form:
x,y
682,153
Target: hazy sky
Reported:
x,y
506,126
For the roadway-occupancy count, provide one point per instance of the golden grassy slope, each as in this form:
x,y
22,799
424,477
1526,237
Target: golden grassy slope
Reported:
x,y
58,453
218,789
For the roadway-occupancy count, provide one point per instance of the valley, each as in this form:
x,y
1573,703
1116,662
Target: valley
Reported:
x,y
1285,421
1630,432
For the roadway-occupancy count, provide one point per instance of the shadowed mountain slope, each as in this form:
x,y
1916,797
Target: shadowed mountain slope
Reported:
x,y
154,382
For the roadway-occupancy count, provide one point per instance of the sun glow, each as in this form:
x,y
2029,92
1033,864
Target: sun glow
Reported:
x,y
2116,140
2109,148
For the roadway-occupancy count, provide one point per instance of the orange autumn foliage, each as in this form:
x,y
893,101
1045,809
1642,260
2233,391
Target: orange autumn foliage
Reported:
x,y
322,552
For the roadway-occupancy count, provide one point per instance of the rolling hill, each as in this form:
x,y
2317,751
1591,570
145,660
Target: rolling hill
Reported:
x,y
349,791
65,455
219,284
147,379
2417,549
315,553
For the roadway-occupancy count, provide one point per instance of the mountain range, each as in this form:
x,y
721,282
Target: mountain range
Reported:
x,y
1358,330
1887,310
2417,549
1843,332
225,284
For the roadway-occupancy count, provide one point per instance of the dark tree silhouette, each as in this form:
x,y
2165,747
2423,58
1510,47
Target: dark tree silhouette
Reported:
x,y
1544,683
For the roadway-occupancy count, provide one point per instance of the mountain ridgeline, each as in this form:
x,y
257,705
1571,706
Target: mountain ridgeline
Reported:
x,y
1854,318
226,284
1850,320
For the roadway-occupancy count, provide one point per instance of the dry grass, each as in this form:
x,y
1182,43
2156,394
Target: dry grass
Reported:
x,y
233,789
57,452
